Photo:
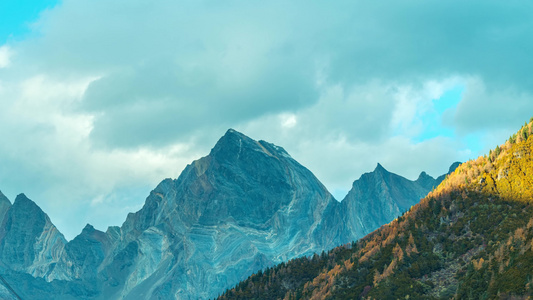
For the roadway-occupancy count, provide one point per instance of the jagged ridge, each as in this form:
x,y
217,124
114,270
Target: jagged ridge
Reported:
x,y
246,206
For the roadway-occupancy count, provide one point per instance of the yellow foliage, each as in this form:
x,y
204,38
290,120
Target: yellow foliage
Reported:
x,y
520,234
398,252
389,270
411,246
324,282
478,264
348,265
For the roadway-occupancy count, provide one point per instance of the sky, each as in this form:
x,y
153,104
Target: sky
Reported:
x,y
102,100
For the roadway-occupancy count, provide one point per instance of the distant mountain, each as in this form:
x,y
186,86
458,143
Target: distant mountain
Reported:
x,y
470,238
379,197
246,206
29,242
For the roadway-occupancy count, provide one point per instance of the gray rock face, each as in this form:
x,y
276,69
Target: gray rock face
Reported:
x,y
379,197
5,204
245,206
29,242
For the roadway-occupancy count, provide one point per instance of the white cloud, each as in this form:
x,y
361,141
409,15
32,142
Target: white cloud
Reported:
x,y
51,159
100,112
5,56
288,120
413,102
486,107
350,129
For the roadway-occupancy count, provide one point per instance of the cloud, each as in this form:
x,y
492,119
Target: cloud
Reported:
x,y
48,155
490,107
348,131
5,54
159,105
170,69
97,112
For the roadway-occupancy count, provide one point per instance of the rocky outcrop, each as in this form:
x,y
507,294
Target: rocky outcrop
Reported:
x,y
5,204
29,242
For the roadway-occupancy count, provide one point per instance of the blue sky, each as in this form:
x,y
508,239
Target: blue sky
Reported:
x,y
433,120
104,99
16,17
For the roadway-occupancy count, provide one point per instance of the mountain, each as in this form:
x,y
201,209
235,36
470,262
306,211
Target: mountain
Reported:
x,y
29,242
246,206
380,196
30,247
5,204
470,238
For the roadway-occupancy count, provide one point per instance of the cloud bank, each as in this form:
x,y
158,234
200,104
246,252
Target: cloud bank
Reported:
x,y
105,99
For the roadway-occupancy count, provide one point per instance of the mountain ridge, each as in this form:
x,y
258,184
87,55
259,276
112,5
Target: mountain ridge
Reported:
x,y
248,196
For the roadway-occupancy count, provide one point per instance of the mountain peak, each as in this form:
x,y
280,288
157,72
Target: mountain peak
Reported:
x,y
88,228
423,175
453,167
3,198
21,198
28,207
234,133
232,140
426,181
380,169
235,145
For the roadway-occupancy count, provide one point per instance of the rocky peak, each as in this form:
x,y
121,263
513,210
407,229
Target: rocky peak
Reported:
x,y
231,145
88,228
29,241
378,197
380,174
235,145
454,166
5,204
422,175
3,199
426,181
23,201
241,178
380,169
24,207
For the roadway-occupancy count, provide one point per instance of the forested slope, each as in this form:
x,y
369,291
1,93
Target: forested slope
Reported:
x,y
470,238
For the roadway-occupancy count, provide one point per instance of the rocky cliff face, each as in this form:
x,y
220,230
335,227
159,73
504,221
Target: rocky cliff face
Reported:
x,y
5,204
245,206
29,242
379,197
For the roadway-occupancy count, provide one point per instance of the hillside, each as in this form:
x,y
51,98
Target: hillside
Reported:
x,y
470,238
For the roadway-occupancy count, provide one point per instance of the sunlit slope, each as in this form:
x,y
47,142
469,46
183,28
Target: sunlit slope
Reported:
x,y
470,238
